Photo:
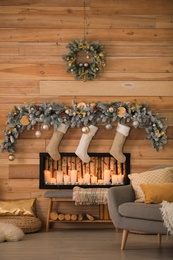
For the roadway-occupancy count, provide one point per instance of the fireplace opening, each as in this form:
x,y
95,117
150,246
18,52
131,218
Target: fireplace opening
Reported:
x,y
102,171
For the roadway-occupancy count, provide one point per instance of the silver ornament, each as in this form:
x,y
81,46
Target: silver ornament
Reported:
x,y
135,123
111,109
38,134
86,64
85,129
108,126
45,126
11,157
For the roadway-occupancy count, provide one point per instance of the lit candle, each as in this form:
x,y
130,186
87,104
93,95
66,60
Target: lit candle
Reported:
x,y
120,178
73,176
66,179
59,177
53,180
80,181
100,181
87,178
47,176
106,176
114,179
94,179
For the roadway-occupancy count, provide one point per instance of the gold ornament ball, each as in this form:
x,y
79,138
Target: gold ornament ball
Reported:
x,y
11,157
85,129
121,111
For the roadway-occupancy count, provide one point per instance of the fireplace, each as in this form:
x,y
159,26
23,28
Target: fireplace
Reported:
x,y
102,171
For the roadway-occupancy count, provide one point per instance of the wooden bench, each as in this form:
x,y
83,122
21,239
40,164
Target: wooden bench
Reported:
x,y
66,196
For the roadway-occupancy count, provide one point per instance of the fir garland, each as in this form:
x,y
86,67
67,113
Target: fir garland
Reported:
x,y
84,70
25,117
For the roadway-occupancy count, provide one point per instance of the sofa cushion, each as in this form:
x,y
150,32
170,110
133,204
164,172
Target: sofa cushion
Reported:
x,y
156,193
141,211
162,175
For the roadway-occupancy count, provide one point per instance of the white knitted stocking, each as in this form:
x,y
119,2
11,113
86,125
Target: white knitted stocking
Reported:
x,y
85,140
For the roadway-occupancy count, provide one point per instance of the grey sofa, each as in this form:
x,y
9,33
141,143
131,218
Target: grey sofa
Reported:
x,y
128,215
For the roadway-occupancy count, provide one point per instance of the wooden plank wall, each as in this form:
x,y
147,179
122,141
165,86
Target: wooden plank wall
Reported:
x,y
138,40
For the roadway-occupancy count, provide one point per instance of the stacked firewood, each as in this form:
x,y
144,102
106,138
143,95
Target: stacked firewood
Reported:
x,y
54,215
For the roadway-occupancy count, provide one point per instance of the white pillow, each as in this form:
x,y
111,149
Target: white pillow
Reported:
x,y
155,176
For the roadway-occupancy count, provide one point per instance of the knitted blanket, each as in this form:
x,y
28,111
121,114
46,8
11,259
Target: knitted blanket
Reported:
x,y
167,214
90,196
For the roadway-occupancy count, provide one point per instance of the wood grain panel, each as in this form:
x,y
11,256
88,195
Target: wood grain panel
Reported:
x,y
36,3
48,48
139,65
19,185
154,102
138,49
164,21
46,64
56,72
18,100
31,145
63,9
21,160
4,172
116,76
9,48
77,21
66,35
118,88
23,172
132,7
19,91
14,195
112,49
19,83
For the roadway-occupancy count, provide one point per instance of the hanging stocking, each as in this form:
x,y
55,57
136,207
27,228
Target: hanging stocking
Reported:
x,y
52,147
85,140
118,143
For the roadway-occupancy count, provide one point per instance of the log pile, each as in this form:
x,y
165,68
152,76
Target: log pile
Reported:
x,y
54,215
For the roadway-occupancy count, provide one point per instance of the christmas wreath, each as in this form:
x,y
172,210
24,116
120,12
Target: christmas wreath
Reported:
x,y
93,59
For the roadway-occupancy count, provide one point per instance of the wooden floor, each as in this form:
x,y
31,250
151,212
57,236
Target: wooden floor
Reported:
x,y
86,244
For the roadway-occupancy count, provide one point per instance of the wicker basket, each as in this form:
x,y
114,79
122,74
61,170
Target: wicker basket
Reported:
x,y
26,223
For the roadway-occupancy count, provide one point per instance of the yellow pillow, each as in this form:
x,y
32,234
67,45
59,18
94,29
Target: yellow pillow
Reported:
x,y
156,193
23,207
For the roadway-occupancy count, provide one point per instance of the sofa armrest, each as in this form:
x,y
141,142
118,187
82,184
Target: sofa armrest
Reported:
x,y
117,196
